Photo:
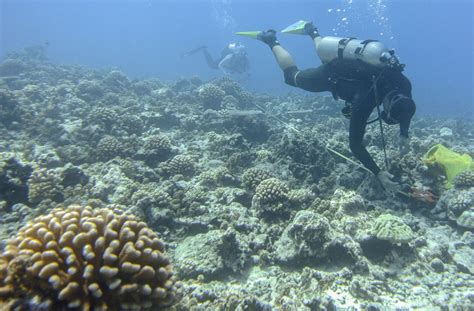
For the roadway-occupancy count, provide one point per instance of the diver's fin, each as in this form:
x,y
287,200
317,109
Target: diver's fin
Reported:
x,y
250,34
296,28
194,51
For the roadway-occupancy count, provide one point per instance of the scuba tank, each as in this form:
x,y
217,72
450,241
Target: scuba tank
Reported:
x,y
372,52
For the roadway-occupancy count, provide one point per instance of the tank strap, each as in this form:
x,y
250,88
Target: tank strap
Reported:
x,y
342,45
358,51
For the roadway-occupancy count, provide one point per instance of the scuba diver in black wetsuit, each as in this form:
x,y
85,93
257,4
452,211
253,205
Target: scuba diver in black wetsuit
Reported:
x,y
364,74
233,58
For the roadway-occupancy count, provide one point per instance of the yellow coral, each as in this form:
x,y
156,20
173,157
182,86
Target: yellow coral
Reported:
x,y
89,259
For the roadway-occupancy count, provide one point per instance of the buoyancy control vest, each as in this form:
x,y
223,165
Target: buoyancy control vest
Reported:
x,y
372,52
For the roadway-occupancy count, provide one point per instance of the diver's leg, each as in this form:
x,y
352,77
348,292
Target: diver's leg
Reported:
x,y
282,57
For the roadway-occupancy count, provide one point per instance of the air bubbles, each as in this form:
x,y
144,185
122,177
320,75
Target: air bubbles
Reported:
x,y
329,10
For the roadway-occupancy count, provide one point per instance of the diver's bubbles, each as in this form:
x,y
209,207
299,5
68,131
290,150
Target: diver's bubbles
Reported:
x,y
351,14
222,10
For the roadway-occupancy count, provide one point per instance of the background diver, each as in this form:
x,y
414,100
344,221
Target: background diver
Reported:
x,y
364,74
233,58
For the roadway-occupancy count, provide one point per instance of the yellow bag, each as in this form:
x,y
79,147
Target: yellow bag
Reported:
x,y
452,163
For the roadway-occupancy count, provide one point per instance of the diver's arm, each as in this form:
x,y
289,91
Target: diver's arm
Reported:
x,y
222,64
360,113
405,86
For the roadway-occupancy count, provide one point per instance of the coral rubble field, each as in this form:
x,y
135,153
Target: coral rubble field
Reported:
x,y
194,195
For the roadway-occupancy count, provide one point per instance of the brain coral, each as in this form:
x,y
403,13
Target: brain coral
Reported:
x,y
84,258
392,228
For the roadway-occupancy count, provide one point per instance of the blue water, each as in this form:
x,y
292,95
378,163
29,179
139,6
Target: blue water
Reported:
x,y
146,38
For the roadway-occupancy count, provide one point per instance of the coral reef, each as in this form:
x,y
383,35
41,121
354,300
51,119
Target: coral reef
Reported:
x,y
109,147
466,219
257,214
270,196
45,184
254,176
464,179
304,238
156,148
211,96
180,164
87,259
392,228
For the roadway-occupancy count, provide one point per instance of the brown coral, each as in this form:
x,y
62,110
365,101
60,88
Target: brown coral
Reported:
x,y
254,176
211,96
464,179
45,184
270,191
84,258
108,147
157,147
180,164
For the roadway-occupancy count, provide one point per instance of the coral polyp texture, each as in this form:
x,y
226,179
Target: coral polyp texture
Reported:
x,y
393,229
254,176
211,96
464,179
81,258
270,196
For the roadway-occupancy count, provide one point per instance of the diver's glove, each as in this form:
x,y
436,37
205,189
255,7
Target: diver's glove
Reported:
x,y
403,145
389,186
269,37
310,30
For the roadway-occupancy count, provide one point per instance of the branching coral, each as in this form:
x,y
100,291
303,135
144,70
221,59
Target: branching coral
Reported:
x,y
84,258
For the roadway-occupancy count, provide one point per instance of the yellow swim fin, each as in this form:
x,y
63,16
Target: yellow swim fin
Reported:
x,y
296,28
250,34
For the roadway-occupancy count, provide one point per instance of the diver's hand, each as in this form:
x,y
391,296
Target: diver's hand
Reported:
x,y
269,37
389,186
403,145
310,30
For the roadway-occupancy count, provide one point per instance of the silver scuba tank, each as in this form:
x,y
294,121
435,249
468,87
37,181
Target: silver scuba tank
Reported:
x,y
370,51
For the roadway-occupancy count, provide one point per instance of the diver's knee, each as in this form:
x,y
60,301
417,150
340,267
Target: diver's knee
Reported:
x,y
290,74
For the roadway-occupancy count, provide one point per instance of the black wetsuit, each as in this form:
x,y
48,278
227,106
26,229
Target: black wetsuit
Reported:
x,y
351,80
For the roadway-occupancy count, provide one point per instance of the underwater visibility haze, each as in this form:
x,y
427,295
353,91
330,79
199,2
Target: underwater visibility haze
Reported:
x,y
191,155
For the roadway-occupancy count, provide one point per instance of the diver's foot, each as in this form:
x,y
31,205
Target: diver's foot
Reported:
x,y
269,37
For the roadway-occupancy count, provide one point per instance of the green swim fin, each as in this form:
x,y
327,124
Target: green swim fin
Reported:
x,y
296,28
250,34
